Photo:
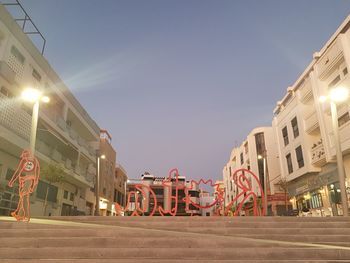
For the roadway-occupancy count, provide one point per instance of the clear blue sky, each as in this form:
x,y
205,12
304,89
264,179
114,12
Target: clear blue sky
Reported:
x,y
178,83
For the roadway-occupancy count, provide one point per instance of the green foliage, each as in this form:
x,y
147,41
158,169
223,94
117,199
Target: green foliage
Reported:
x,y
52,173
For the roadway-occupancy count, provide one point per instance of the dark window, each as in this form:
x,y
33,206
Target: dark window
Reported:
x,y
65,194
343,119
44,188
193,193
36,75
285,136
71,197
15,52
345,71
6,92
295,128
242,159
289,163
9,174
300,158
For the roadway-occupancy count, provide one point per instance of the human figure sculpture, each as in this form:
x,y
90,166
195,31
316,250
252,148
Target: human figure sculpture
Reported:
x,y
27,174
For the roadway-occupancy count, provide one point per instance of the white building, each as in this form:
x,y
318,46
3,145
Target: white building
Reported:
x,y
66,133
260,141
304,130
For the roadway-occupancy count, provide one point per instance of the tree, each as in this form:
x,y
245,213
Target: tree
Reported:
x,y
52,173
283,184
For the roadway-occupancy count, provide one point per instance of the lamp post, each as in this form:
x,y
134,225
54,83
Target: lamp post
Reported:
x,y
35,96
97,185
263,157
339,94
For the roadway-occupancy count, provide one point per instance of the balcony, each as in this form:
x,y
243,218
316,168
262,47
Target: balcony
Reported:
x,y
318,156
311,122
13,117
306,92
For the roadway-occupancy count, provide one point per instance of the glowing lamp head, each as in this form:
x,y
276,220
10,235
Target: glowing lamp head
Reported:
x,y
260,157
45,99
103,156
339,94
31,95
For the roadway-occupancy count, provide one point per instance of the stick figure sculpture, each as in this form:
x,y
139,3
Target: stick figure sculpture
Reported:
x,y
27,173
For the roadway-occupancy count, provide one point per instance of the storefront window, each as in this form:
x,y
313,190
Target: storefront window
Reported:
x,y
316,200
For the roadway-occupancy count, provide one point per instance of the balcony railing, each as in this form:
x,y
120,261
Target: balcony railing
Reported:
x,y
318,155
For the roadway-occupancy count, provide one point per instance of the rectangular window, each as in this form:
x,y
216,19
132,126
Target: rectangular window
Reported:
x,y
316,200
289,163
44,188
242,159
36,75
65,194
300,158
71,197
15,52
285,136
343,119
295,128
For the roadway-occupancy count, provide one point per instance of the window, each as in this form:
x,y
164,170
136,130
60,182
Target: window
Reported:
x,y
71,197
300,158
242,159
334,82
246,148
316,200
65,194
343,119
285,136
345,71
15,52
295,128
36,75
289,163
44,188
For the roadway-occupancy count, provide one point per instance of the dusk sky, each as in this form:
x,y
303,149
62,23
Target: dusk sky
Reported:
x,y
179,83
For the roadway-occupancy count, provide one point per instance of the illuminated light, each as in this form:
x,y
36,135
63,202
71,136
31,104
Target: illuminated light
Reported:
x,y
338,190
307,196
103,156
323,99
45,99
31,95
332,186
339,94
260,157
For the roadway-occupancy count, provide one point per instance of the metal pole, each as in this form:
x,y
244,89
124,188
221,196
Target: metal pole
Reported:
x,y
125,194
97,186
265,186
339,155
35,116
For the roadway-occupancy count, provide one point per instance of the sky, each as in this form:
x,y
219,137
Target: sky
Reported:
x,y
179,83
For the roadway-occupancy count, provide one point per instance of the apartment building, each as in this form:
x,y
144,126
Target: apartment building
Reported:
x,y
304,129
165,194
66,133
260,144
107,174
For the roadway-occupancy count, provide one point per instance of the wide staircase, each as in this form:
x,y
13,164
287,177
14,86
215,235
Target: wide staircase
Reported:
x,y
175,239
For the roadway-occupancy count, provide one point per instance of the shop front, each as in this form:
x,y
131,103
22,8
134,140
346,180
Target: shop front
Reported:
x,y
317,194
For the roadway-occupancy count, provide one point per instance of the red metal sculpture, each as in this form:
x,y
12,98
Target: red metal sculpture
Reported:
x,y
239,178
245,185
27,174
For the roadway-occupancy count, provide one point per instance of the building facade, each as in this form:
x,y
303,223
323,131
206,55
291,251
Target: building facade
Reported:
x,y
66,134
304,132
120,182
259,145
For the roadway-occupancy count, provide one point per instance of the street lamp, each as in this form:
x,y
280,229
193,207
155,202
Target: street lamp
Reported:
x,y
339,94
97,185
263,157
34,96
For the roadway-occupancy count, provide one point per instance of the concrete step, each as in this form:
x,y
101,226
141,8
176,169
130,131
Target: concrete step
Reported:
x,y
177,253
